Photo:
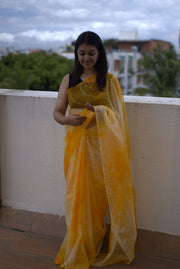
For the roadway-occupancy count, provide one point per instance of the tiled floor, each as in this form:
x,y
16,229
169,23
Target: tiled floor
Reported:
x,y
31,240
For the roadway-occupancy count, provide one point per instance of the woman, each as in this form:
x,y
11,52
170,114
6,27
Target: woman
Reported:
x,y
97,162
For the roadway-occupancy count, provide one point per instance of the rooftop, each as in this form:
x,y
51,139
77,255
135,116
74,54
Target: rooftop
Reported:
x,y
30,240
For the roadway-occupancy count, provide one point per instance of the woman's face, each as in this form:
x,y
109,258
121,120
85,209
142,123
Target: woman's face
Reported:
x,y
87,55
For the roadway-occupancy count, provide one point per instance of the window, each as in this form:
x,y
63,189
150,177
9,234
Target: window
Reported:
x,y
122,62
116,65
130,64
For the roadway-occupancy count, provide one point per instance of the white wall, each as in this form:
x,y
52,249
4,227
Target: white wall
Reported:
x,y
31,152
32,144
154,125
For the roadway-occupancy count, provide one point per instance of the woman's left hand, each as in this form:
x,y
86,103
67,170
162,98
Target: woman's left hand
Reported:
x,y
89,107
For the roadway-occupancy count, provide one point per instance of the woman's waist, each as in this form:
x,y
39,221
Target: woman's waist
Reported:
x,y
75,110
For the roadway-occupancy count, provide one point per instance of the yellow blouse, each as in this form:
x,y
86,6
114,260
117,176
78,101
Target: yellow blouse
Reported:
x,y
88,92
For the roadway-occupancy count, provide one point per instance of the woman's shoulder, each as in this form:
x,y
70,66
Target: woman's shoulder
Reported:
x,y
66,77
65,81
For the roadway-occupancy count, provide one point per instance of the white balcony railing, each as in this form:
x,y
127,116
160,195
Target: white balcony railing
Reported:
x,y
32,144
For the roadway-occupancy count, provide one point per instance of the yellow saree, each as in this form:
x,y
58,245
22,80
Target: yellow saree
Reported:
x,y
97,171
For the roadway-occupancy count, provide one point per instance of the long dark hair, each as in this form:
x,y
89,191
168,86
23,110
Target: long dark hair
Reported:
x,y
101,66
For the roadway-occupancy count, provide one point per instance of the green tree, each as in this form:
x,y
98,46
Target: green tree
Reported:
x,y
35,71
161,73
112,43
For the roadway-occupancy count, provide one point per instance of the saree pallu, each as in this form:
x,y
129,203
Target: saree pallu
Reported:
x,y
98,175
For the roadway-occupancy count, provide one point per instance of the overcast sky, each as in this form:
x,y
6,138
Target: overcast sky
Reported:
x,y
38,23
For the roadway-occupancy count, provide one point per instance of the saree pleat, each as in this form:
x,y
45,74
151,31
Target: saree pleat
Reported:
x,y
98,174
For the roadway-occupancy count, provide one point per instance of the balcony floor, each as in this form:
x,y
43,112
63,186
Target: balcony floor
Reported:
x,y
30,240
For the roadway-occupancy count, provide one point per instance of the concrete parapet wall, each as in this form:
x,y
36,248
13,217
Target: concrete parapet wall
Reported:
x,y
32,146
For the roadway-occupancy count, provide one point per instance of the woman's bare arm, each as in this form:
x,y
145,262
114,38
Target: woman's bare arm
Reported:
x,y
62,104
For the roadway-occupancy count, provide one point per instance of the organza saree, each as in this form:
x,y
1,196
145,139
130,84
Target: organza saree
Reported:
x,y
97,167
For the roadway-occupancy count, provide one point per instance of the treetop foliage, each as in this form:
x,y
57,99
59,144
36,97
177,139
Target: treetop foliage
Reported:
x,y
161,73
35,71
112,43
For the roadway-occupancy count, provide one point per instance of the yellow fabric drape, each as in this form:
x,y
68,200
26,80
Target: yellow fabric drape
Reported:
x,y
98,174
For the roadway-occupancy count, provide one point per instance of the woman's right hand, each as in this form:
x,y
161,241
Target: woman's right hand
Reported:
x,y
74,119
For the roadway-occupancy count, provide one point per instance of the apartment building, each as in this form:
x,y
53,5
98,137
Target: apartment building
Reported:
x,y
124,62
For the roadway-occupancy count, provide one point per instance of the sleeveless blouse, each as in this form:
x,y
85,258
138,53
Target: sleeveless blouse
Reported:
x,y
86,91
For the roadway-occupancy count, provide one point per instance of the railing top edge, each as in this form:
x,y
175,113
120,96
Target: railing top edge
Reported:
x,y
26,93
152,100
127,98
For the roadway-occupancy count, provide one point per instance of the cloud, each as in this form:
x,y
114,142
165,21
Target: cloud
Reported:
x,y
45,35
5,37
65,19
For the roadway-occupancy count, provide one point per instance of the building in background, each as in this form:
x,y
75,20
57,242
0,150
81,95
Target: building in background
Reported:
x,y
142,45
124,61
124,65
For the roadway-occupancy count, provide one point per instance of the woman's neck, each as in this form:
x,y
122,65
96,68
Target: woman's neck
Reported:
x,y
87,73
